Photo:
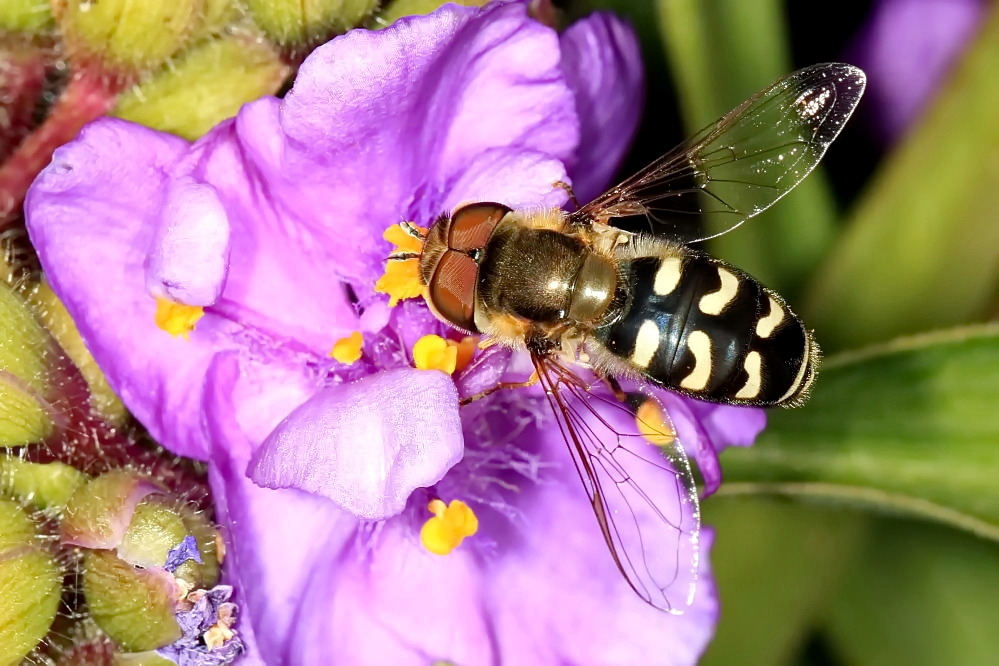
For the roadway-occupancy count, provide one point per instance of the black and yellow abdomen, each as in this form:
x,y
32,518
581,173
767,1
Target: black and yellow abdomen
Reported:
x,y
706,329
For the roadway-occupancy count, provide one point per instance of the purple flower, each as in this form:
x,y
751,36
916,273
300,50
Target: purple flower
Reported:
x,y
907,48
208,638
266,237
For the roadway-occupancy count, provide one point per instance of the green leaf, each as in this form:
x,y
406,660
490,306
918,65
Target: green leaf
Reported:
x,y
784,558
909,426
922,249
924,596
721,53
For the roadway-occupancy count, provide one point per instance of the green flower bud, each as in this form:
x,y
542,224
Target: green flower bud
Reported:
x,y
98,513
142,659
134,607
304,23
153,531
144,551
400,8
31,580
47,487
205,86
26,353
216,15
128,35
29,16
53,315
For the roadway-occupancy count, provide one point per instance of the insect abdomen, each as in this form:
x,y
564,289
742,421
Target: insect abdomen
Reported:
x,y
706,329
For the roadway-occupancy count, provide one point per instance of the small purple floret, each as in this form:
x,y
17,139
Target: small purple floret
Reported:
x,y
211,609
186,550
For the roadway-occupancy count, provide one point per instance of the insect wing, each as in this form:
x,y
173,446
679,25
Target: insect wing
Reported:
x,y
742,164
643,494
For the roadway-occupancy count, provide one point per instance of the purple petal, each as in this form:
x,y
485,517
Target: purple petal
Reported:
x,y
517,178
727,425
603,66
560,557
369,444
190,253
186,550
282,279
907,49
382,126
92,215
388,601
276,539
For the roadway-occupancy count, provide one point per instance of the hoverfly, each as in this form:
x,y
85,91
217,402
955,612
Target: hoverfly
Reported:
x,y
647,308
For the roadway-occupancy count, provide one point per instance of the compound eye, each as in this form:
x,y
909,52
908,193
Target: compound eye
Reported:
x,y
452,290
472,225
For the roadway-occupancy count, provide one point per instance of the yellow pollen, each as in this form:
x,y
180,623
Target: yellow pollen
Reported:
x,y
653,424
432,352
403,241
448,527
177,318
348,350
401,279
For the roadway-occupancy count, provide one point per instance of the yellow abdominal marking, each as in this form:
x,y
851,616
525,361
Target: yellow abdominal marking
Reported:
x,y
348,350
448,527
432,352
177,319
401,279
653,425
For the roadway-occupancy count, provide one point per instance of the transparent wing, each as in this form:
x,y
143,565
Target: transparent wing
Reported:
x,y
643,494
739,166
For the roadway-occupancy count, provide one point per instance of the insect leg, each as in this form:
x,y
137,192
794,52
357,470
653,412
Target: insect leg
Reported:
x,y
530,381
562,185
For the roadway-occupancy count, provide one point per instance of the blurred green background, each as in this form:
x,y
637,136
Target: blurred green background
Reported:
x,y
862,528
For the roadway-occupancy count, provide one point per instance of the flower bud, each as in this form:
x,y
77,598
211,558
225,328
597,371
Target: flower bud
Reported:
x,y
134,607
400,8
46,486
204,86
31,580
307,22
142,659
28,16
26,354
131,36
143,552
53,315
99,512
216,15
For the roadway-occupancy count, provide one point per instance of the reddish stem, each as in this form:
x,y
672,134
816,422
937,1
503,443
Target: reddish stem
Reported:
x,y
22,79
89,95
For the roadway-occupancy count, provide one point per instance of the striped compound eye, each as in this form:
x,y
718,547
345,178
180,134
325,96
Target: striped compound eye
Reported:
x,y
452,267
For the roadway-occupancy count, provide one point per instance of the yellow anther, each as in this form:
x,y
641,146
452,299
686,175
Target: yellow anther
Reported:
x,y
653,424
402,271
403,240
432,352
401,280
177,318
448,527
348,350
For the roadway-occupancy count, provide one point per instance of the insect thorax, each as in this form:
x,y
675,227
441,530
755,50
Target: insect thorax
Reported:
x,y
546,277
